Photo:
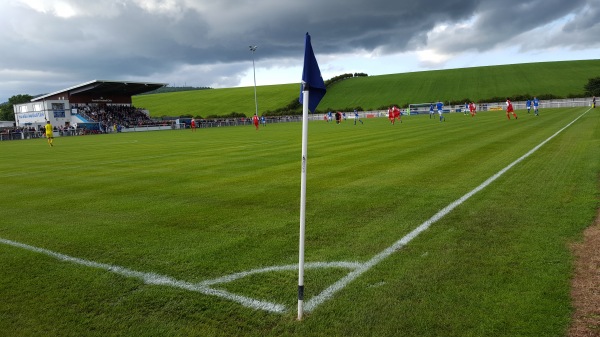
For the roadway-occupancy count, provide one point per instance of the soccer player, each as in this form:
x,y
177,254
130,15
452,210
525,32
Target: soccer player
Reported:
x,y
391,115
263,120
509,109
536,104
467,108
594,102
472,109
255,121
528,105
193,125
49,134
397,114
357,117
440,109
430,110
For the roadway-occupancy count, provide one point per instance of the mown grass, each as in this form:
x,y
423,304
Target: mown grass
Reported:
x,y
197,206
556,78
218,101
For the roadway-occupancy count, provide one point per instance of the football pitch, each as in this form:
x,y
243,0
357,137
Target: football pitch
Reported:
x,y
422,228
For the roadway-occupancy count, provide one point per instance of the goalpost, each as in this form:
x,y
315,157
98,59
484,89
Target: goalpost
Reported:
x,y
420,108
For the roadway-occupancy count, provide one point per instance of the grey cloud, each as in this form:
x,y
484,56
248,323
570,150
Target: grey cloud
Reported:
x,y
499,22
132,39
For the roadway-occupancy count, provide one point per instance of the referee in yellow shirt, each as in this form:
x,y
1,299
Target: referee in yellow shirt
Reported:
x,y
49,134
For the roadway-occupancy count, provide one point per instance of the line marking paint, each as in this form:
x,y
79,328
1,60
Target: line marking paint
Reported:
x,y
327,293
155,279
357,268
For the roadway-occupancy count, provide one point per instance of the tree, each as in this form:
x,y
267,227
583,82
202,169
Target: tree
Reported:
x,y
592,88
3,115
6,110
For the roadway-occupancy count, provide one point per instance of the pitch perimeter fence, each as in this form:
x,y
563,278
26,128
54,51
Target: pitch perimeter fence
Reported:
x,y
22,134
518,105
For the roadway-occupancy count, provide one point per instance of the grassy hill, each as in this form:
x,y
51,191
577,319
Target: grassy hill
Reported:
x,y
218,101
556,78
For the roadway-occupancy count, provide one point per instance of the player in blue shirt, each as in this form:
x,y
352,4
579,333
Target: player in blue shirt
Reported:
x,y
440,108
528,105
430,110
536,103
357,117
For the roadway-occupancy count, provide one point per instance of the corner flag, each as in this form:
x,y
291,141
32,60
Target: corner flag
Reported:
x,y
311,77
311,93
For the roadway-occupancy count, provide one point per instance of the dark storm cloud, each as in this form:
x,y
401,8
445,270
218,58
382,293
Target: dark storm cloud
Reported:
x,y
161,40
499,21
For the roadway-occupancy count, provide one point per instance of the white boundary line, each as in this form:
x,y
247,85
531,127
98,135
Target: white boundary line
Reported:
x,y
155,279
202,287
358,269
327,293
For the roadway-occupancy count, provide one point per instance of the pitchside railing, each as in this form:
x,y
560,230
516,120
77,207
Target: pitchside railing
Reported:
x,y
421,108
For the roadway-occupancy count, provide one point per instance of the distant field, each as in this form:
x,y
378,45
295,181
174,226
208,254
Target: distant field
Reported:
x,y
557,78
218,101
178,209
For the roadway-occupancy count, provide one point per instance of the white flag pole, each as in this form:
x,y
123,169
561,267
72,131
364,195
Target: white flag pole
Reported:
x,y
303,200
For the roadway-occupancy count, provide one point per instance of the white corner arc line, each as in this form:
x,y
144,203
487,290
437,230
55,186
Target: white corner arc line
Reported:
x,y
311,265
343,282
203,287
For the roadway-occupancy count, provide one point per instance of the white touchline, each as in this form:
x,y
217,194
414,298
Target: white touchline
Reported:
x,y
154,279
203,287
343,282
357,268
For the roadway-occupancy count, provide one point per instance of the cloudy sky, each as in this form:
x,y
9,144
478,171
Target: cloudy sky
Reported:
x,y
48,45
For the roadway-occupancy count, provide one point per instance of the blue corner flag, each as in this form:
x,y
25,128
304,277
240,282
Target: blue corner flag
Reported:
x,y
311,77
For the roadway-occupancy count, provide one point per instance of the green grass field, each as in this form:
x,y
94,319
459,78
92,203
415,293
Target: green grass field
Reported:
x,y
200,206
557,78
218,101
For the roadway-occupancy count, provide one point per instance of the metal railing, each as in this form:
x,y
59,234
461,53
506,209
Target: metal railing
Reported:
x,y
164,125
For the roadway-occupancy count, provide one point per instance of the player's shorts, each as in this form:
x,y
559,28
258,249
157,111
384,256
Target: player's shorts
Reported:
x,y
49,135
440,112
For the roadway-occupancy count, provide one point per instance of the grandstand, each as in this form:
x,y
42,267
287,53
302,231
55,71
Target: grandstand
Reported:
x,y
99,103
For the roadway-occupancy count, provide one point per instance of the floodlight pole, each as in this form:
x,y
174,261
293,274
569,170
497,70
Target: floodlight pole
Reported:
x,y
253,49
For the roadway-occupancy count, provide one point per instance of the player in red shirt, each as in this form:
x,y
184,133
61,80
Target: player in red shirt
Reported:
x,y
472,109
509,109
193,125
255,121
397,113
391,115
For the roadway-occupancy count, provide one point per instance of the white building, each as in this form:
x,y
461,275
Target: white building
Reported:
x,y
63,107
